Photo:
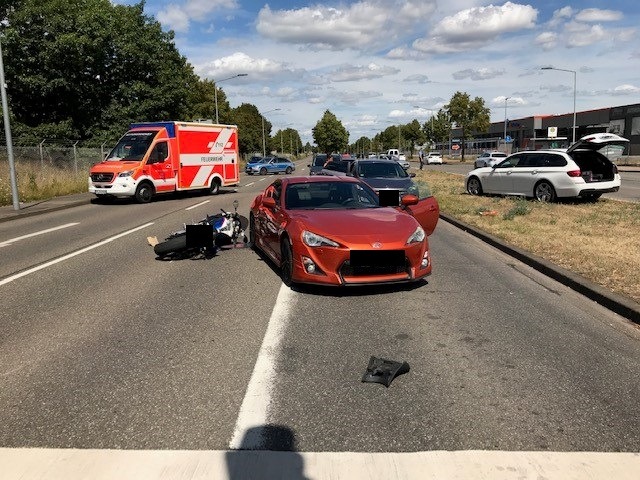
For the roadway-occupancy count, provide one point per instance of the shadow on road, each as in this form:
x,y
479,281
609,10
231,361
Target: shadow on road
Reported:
x,y
267,452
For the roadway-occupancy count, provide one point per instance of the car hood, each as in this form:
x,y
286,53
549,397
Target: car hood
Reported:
x,y
388,183
384,224
115,166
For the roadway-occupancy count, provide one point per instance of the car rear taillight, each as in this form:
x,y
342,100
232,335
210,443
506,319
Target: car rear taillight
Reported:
x,y
574,173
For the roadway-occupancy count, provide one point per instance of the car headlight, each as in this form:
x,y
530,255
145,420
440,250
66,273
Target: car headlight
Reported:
x,y
313,240
417,237
128,173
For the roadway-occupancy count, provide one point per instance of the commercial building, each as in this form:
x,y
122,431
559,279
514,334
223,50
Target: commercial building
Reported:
x,y
554,131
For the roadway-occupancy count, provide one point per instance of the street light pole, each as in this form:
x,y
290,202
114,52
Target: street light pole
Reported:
x,y
264,144
215,90
7,133
575,74
505,122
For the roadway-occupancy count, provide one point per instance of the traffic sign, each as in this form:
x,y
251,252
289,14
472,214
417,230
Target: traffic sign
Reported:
x,y
507,139
455,147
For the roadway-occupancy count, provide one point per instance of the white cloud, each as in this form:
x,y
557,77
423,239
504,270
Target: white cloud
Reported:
x,y
179,17
256,68
350,73
476,27
584,35
363,25
626,90
547,40
417,78
353,98
478,74
597,15
560,16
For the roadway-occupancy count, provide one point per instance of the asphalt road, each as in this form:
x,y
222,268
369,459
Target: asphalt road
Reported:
x,y
629,188
103,346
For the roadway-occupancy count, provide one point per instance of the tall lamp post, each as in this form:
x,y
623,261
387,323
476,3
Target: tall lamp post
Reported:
x,y
573,130
264,143
215,89
505,122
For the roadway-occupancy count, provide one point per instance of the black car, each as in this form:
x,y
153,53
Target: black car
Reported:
x,y
317,164
383,174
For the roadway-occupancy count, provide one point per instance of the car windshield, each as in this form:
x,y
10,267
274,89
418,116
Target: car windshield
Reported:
x,y
381,170
329,195
131,146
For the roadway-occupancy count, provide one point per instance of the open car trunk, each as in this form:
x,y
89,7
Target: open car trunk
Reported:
x,y
594,166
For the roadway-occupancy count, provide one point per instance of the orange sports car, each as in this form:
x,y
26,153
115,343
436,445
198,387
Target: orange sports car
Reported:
x,y
331,230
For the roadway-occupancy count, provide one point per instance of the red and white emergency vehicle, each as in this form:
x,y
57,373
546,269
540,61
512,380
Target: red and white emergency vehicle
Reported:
x,y
162,157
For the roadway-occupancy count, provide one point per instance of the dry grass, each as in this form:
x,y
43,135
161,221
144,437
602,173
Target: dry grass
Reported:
x,y
599,241
39,182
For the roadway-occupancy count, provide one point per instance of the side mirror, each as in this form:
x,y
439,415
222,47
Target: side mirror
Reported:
x,y
412,175
409,199
269,202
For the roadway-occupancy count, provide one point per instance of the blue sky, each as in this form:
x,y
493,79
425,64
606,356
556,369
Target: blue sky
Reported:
x,y
375,63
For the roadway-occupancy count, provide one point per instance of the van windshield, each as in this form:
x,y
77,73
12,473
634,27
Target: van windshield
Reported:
x,y
132,146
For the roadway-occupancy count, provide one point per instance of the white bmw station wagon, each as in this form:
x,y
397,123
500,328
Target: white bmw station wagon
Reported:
x,y
581,170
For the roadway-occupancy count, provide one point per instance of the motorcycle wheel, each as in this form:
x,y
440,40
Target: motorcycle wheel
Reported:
x,y
170,246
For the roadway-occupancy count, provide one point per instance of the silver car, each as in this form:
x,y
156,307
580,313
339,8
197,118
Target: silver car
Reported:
x,y
579,171
489,159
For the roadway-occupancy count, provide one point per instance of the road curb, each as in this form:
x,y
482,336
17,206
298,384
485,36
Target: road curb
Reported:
x,y
615,302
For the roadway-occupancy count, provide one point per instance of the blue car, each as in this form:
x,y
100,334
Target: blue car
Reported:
x,y
270,165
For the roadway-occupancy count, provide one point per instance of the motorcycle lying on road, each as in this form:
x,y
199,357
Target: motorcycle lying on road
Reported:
x,y
205,237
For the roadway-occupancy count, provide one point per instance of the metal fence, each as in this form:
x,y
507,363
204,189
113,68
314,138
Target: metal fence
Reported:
x,y
62,157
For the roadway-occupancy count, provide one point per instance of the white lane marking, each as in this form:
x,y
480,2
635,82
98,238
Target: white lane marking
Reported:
x,y
197,205
80,464
6,243
71,255
249,184
252,418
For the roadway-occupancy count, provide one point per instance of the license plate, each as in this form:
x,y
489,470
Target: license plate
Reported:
x,y
100,191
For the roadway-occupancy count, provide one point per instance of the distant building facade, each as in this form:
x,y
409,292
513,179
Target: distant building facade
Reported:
x,y
554,131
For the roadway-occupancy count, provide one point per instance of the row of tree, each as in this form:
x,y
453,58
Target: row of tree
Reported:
x,y
462,112
83,70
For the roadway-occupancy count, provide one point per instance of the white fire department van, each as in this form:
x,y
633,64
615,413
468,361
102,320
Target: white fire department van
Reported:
x,y
162,157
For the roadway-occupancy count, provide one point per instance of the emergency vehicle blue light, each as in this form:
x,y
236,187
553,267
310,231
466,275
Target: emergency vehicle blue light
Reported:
x,y
170,126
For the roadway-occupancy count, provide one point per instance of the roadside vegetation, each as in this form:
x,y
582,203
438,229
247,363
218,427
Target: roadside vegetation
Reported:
x,y
596,240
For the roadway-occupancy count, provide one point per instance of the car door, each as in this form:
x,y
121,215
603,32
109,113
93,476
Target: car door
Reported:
x,y
527,173
161,168
268,220
427,210
498,180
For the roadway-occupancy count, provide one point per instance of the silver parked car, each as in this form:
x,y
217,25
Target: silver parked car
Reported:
x,y
578,171
489,159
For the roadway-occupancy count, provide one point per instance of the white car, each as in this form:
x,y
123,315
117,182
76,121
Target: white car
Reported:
x,y
433,158
489,159
579,171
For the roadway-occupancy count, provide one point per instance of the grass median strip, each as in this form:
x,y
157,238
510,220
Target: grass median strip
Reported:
x,y
599,241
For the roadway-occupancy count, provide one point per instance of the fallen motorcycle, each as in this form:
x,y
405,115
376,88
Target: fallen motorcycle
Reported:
x,y
205,237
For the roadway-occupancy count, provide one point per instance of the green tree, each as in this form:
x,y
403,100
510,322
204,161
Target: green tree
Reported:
x,y
329,134
249,122
470,115
413,134
87,68
438,128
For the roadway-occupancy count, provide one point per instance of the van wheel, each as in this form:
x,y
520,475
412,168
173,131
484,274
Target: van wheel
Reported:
x,y
144,193
215,187
544,192
474,187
